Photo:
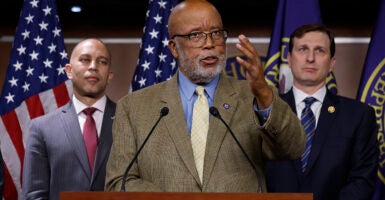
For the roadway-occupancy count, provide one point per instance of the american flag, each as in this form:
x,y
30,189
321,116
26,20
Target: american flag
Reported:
x,y
155,63
35,84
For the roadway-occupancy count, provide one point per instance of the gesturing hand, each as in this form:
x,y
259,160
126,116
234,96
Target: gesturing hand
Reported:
x,y
254,72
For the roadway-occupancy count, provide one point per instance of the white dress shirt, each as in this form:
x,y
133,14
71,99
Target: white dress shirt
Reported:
x,y
98,114
299,96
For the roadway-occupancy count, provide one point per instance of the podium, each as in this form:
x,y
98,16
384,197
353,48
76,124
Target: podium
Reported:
x,y
182,196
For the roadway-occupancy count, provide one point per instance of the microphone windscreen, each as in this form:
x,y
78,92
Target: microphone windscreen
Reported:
x,y
164,111
214,111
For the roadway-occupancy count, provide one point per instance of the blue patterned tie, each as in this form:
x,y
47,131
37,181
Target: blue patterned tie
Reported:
x,y
308,122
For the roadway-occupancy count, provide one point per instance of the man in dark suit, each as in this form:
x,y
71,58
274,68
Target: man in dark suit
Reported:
x,y
171,159
56,157
343,154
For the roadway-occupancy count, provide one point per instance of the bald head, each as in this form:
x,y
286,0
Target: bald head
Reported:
x,y
90,41
193,15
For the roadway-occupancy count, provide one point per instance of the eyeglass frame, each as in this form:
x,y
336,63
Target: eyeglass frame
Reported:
x,y
188,36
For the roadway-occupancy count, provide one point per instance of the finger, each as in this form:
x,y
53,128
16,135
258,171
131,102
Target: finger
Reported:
x,y
248,50
247,44
249,55
245,51
252,71
252,65
242,62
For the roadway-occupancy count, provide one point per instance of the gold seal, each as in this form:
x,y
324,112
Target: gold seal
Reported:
x,y
331,109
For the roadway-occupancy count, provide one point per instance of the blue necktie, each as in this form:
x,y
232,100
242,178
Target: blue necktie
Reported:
x,y
308,122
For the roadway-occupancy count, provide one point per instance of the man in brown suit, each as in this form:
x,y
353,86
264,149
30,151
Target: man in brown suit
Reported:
x,y
264,125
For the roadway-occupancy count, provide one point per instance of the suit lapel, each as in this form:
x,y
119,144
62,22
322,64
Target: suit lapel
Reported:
x,y
176,124
325,123
226,103
289,99
105,139
75,137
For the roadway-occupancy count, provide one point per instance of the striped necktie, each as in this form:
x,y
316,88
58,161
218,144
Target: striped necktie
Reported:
x,y
308,122
199,129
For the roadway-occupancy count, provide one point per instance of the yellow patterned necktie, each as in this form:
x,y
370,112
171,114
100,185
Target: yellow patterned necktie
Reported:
x,y
199,129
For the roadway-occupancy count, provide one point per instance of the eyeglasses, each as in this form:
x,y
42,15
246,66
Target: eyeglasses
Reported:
x,y
198,39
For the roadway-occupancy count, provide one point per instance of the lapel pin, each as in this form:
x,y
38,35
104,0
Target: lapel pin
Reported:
x,y
226,106
331,109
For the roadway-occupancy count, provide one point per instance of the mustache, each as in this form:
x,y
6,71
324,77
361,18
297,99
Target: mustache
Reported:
x,y
211,54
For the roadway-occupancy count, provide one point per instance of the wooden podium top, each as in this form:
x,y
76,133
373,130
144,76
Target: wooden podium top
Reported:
x,y
182,195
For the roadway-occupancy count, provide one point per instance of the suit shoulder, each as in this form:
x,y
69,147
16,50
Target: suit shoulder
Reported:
x,y
234,81
111,104
238,85
355,107
353,102
53,116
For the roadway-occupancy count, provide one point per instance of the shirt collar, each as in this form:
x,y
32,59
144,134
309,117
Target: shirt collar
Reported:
x,y
99,104
188,87
299,95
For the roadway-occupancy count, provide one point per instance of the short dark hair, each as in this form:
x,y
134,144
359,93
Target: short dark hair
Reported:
x,y
300,31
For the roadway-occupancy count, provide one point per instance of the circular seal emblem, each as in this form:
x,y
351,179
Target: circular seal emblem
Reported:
x,y
373,93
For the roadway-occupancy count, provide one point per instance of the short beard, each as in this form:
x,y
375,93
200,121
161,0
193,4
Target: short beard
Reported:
x,y
195,72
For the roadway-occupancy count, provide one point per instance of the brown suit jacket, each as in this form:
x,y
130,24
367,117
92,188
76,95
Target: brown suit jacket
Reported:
x,y
166,163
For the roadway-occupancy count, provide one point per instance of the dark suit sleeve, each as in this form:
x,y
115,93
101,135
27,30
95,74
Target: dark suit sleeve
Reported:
x,y
364,159
36,167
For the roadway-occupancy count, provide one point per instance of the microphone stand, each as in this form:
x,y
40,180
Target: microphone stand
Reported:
x,y
163,112
214,111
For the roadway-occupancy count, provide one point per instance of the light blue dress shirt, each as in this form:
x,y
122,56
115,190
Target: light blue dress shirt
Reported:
x,y
188,97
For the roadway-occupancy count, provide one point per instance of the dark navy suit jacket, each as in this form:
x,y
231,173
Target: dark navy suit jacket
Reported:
x,y
343,158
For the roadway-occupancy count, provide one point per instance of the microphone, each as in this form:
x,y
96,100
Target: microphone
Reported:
x,y
214,111
163,112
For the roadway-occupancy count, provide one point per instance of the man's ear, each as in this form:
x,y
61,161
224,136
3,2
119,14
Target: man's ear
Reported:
x,y
110,76
289,59
172,47
68,68
332,63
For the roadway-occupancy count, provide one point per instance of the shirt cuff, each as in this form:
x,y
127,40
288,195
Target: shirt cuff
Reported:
x,y
262,114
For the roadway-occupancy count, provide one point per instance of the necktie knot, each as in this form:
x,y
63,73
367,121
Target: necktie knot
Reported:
x,y
309,101
200,90
89,111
